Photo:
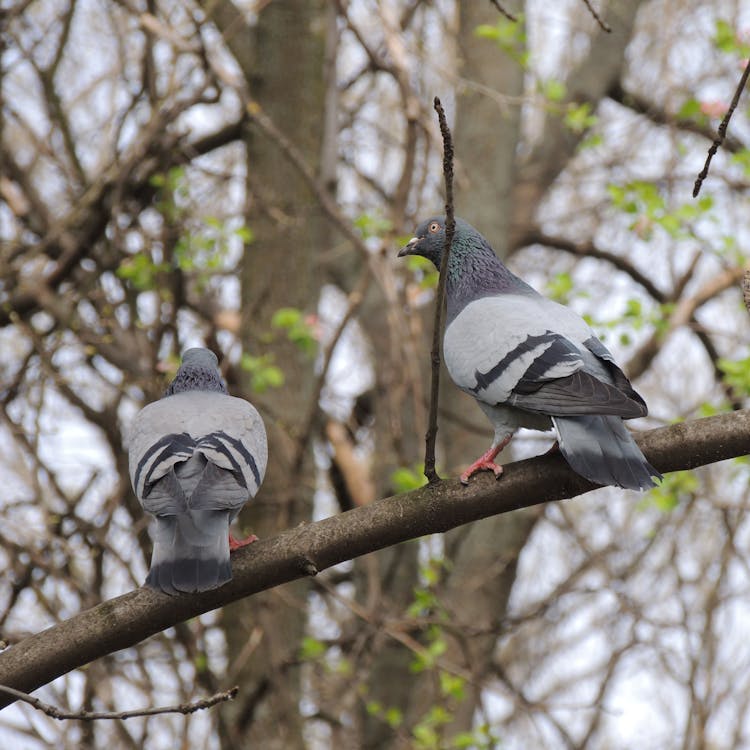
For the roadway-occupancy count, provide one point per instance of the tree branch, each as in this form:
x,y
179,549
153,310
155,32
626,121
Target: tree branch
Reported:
x,y
722,134
642,106
504,12
588,249
437,331
57,713
602,25
122,622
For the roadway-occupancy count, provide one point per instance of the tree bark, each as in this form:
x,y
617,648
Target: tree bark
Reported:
x,y
282,59
311,548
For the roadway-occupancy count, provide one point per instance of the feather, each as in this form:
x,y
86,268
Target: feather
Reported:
x,y
530,362
196,457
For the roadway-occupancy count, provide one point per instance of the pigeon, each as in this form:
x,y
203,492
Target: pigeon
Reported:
x,y
531,362
196,456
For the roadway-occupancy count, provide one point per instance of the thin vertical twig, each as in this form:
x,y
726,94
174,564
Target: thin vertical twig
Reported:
x,y
722,134
505,12
602,25
450,227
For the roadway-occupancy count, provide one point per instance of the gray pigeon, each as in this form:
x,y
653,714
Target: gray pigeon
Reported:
x,y
196,456
530,362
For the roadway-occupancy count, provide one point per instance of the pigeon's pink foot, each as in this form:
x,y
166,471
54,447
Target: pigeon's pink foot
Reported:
x,y
486,462
237,543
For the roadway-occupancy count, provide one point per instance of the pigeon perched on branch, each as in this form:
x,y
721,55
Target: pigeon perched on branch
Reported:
x,y
196,456
530,362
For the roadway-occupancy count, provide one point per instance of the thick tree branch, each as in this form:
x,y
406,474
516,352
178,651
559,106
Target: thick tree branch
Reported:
x,y
309,548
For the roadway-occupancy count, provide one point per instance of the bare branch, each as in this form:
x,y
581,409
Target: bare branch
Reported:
x,y
602,25
722,134
450,227
122,622
57,713
681,315
642,106
504,12
355,300
589,250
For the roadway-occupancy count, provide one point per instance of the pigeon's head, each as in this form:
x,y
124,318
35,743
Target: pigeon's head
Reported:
x,y
428,240
200,357
199,372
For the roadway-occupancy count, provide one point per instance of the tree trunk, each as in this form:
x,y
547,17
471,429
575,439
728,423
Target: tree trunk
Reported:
x,y
280,270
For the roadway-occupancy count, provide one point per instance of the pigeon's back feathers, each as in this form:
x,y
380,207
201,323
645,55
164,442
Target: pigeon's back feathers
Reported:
x,y
227,431
523,357
196,457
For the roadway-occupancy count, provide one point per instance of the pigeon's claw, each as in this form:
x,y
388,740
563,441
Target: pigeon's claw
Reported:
x,y
237,543
486,462
479,465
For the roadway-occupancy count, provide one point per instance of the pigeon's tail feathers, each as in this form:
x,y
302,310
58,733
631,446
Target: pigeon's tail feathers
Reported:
x,y
602,450
191,552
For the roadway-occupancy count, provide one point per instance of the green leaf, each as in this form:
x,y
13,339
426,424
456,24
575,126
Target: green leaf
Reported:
x,y
201,663
263,373
425,601
554,90
286,317
510,37
311,649
245,234
560,286
372,226
724,37
405,479
691,110
393,717
742,160
438,715
674,488
141,271
707,409
591,141
736,374
297,329
727,40
426,737
452,685
579,117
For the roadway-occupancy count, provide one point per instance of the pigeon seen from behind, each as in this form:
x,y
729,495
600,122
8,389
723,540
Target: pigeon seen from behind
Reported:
x,y
196,456
531,362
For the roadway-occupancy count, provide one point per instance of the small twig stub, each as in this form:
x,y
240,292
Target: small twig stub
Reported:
x,y
504,11
602,24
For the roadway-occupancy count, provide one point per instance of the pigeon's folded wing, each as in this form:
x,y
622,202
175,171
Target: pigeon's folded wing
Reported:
x,y
506,350
225,432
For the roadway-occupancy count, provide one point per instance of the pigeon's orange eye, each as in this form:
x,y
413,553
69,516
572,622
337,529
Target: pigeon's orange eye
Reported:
x,y
434,227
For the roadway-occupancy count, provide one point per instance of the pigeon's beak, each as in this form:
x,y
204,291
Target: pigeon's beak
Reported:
x,y
410,248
